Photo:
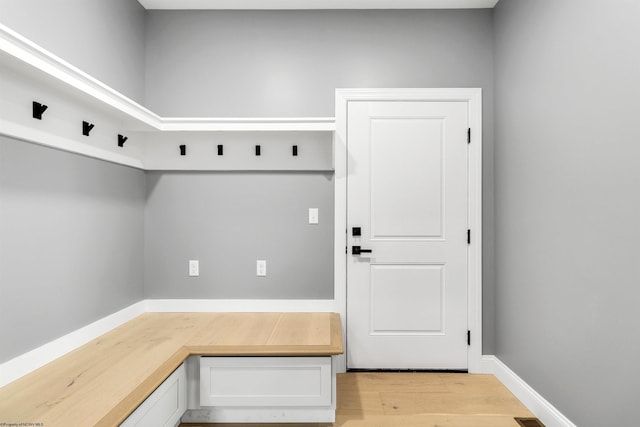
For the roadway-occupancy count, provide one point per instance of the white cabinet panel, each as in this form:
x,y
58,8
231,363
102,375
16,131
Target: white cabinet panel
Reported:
x,y
265,381
165,406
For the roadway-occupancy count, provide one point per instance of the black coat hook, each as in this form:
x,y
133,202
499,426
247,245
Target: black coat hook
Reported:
x,y
38,110
220,150
294,150
183,150
86,128
121,140
257,150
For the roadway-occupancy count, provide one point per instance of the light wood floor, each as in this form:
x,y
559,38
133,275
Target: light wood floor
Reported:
x,y
420,399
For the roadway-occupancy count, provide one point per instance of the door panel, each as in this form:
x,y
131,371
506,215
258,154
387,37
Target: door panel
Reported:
x,y
406,299
407,190
406,153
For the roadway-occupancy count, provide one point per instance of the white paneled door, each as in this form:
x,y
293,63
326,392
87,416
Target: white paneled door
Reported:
x,y
407,202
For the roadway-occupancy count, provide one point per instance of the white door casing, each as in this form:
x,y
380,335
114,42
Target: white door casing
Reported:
x,y
411,239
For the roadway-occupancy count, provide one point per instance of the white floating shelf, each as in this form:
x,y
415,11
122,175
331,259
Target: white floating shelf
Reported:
x,y
314,4
33,56
33,68
249,124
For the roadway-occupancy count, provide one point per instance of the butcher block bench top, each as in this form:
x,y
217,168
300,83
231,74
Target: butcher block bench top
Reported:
x,y
105,380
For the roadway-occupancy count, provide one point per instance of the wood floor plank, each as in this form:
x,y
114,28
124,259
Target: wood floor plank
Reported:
x,y
360,403
453,403
418,400
429,421
394,382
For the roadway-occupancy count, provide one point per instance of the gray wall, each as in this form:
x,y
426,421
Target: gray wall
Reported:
x,y
288,63
104,38
229,220
71,243
567,203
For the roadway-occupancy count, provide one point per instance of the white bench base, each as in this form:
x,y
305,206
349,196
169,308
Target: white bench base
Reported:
x,y
261,390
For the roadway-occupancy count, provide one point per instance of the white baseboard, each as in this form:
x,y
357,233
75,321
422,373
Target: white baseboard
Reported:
x,y
537,404
245,305
488,364
34,359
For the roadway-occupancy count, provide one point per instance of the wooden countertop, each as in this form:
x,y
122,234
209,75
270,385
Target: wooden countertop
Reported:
x,y
105,380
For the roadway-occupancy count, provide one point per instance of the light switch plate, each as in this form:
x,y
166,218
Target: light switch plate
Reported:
x,y
313,216
261,267
194,267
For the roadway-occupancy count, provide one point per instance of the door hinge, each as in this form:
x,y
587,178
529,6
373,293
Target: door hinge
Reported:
x,y
468,237
468,337
468,135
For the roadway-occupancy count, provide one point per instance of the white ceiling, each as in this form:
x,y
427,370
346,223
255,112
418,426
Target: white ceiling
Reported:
x,y
316,4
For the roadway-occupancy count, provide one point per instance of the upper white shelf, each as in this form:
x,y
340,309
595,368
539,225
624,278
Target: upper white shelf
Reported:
x,y
17,47
248,124
316,4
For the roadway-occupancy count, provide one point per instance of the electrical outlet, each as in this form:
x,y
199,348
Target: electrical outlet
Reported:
x,y
194,267
313,215
261,267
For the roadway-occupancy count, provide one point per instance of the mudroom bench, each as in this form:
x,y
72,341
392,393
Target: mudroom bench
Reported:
x,y
199,367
